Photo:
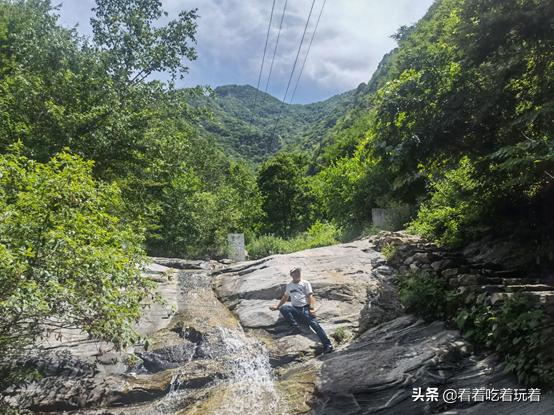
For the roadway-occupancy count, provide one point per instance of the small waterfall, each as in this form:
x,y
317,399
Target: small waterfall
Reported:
x,y
250,387
175,383
247,384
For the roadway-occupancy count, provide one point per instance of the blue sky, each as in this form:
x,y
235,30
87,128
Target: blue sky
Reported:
x,y
352,37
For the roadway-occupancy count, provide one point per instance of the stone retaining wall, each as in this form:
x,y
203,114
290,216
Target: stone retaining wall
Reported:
x,y
463,273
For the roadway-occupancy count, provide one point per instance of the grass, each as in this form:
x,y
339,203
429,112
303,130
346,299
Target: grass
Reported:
x,y
319,234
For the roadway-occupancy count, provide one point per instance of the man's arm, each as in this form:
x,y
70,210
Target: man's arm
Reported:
x,y
283,300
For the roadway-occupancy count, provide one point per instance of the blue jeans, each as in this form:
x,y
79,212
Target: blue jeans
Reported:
x,y
292,314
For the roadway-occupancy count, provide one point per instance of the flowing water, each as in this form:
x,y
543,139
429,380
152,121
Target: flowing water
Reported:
x,y
247,385
250,388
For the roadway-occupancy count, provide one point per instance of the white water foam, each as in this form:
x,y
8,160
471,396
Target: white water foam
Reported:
x,y
250,387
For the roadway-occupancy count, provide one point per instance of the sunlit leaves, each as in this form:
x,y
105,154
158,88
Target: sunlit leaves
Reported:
x,y
65,256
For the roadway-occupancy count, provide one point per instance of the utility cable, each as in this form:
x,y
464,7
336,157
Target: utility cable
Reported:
x,y
294,66
307,52
276,44
265,50
298,52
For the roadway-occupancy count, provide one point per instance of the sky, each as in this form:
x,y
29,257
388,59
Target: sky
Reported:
x,y
351,39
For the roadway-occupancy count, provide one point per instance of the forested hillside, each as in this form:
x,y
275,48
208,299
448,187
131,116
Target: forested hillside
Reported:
x,y
100,166
253,125
460,124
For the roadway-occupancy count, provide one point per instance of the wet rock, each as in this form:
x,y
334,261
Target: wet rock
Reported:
x,y
182,349
298,387
168,357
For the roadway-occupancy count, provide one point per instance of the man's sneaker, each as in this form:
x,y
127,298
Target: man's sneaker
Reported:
x,y
328,349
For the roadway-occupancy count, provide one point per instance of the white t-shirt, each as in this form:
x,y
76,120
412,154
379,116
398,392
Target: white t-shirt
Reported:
x,y
299,292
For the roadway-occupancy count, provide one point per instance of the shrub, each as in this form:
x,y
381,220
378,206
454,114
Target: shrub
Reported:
x,y
267,245
319,234
519,331
523,334
389,250
341,335
455,206
424,294
65,257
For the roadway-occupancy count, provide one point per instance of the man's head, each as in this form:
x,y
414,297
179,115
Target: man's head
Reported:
x,y
296,274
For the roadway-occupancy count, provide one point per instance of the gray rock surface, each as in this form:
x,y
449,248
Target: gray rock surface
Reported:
x,y
184,348
378,371
197,360
349,294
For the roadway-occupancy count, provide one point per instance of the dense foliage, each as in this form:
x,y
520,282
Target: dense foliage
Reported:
x,y
520,330
98,164
319,234
66,259
460,118
283,188
59,90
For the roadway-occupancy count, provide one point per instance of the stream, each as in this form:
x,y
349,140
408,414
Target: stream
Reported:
x,y
246,383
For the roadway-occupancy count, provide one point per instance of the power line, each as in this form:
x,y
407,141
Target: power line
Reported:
x,y
276,44
265,50
298,52
294,66
307,52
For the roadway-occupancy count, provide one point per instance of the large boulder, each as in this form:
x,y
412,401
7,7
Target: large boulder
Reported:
x,y
377,373
349,293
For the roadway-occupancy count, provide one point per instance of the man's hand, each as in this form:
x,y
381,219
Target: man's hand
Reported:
x,y
273,307
312,312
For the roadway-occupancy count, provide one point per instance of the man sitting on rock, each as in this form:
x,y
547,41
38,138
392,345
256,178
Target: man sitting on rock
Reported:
x,y
302,308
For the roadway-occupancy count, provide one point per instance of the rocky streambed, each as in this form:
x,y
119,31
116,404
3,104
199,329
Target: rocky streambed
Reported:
x,y
214,347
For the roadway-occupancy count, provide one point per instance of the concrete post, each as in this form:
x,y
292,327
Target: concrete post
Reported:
x,y
391,218
237,253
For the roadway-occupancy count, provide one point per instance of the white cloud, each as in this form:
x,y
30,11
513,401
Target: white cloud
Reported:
x,y
352,37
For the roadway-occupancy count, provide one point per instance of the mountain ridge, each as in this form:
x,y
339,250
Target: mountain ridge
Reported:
x,y
252,125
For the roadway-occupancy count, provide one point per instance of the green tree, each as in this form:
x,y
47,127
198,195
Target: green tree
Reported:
x,y
134,42
198,213
61,90
472,80
66,260
283,188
